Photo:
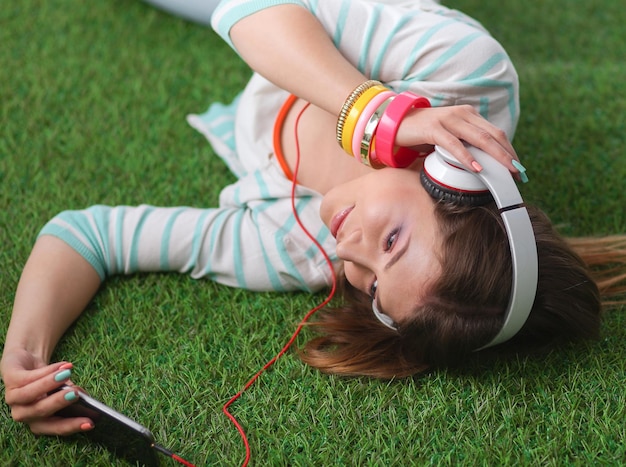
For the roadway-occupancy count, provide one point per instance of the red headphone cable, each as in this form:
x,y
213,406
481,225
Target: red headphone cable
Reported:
x,y
170,454
306,317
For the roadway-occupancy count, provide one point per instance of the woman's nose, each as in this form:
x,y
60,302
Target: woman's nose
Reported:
x,y
350,248
355,249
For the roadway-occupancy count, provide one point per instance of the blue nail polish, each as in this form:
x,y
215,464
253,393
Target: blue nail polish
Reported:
x,y
62,375
522,170
524,177
518,166
70,396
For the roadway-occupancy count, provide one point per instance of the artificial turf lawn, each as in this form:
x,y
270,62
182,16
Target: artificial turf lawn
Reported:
x,y
92,103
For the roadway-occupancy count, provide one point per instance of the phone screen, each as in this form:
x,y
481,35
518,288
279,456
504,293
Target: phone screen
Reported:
x,y
118,433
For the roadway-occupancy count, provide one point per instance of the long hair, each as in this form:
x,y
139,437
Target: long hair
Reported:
x,y
465,307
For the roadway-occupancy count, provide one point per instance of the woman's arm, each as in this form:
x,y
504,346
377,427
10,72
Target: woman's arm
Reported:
x,y
246,244
55,286
288,46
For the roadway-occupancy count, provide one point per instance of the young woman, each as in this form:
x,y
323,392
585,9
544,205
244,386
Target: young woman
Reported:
x,y
440,272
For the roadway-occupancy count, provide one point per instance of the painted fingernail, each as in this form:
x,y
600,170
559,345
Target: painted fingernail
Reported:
x,y
66,366
522,171
86,426
477,167
62,375
70,396
518,165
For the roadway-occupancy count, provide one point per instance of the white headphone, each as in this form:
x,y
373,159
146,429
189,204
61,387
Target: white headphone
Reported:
x,y
444,177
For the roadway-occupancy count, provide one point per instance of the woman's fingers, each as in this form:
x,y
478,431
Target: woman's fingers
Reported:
x,y
450,127
60,426
24,387
488,138
480,133
41,416
44,407
36,392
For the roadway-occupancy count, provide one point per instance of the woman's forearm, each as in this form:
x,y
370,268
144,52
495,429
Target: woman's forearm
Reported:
x,y
55,286
288,46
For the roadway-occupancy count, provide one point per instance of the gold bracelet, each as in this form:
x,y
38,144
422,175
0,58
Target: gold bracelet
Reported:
x,y
349,102
353,116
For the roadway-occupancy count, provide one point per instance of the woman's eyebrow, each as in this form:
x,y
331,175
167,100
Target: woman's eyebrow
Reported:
x,y
394,259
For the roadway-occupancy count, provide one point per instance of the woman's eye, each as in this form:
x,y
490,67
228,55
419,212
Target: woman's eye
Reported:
x,y
373,289
391,238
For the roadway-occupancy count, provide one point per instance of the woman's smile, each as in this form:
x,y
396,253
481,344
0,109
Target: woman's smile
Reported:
x,y
338,219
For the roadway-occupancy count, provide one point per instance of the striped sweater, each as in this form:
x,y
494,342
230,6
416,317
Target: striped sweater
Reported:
x,y
251,240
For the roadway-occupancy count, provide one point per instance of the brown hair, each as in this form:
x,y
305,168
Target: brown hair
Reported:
x,y
465,307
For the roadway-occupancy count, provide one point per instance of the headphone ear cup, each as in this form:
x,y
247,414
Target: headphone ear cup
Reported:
x,y
449,195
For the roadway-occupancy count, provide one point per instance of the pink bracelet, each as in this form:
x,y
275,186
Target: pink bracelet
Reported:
x,y
368,111
388,129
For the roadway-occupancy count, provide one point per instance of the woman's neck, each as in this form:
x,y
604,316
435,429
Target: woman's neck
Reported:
x,y
323,163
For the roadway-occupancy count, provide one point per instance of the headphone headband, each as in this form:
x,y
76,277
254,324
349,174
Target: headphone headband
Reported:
x,y
522,243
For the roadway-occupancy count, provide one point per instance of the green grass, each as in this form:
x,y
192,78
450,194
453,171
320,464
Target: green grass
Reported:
x,y
92,103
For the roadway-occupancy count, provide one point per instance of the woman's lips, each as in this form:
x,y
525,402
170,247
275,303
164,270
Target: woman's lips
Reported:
x,y
337,220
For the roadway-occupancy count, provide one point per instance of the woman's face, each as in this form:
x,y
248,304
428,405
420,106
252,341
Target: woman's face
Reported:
x,y
386,231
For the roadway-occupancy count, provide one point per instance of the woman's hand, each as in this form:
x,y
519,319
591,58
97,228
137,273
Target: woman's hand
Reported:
x,y
28,381
449,126
55,287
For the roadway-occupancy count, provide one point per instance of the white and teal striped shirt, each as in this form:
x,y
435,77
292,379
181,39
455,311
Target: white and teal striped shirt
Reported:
x,y
251,240
415,45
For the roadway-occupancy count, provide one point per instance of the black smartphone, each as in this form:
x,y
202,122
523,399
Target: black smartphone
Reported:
x,y
118,433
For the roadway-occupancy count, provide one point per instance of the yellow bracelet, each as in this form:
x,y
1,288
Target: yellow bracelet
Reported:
x,y
353,115
347,105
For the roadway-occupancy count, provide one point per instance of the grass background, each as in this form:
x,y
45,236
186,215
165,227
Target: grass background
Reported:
x,y
92,103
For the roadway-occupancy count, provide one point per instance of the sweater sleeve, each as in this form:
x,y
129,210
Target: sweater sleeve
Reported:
x,y
419,46
249,242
